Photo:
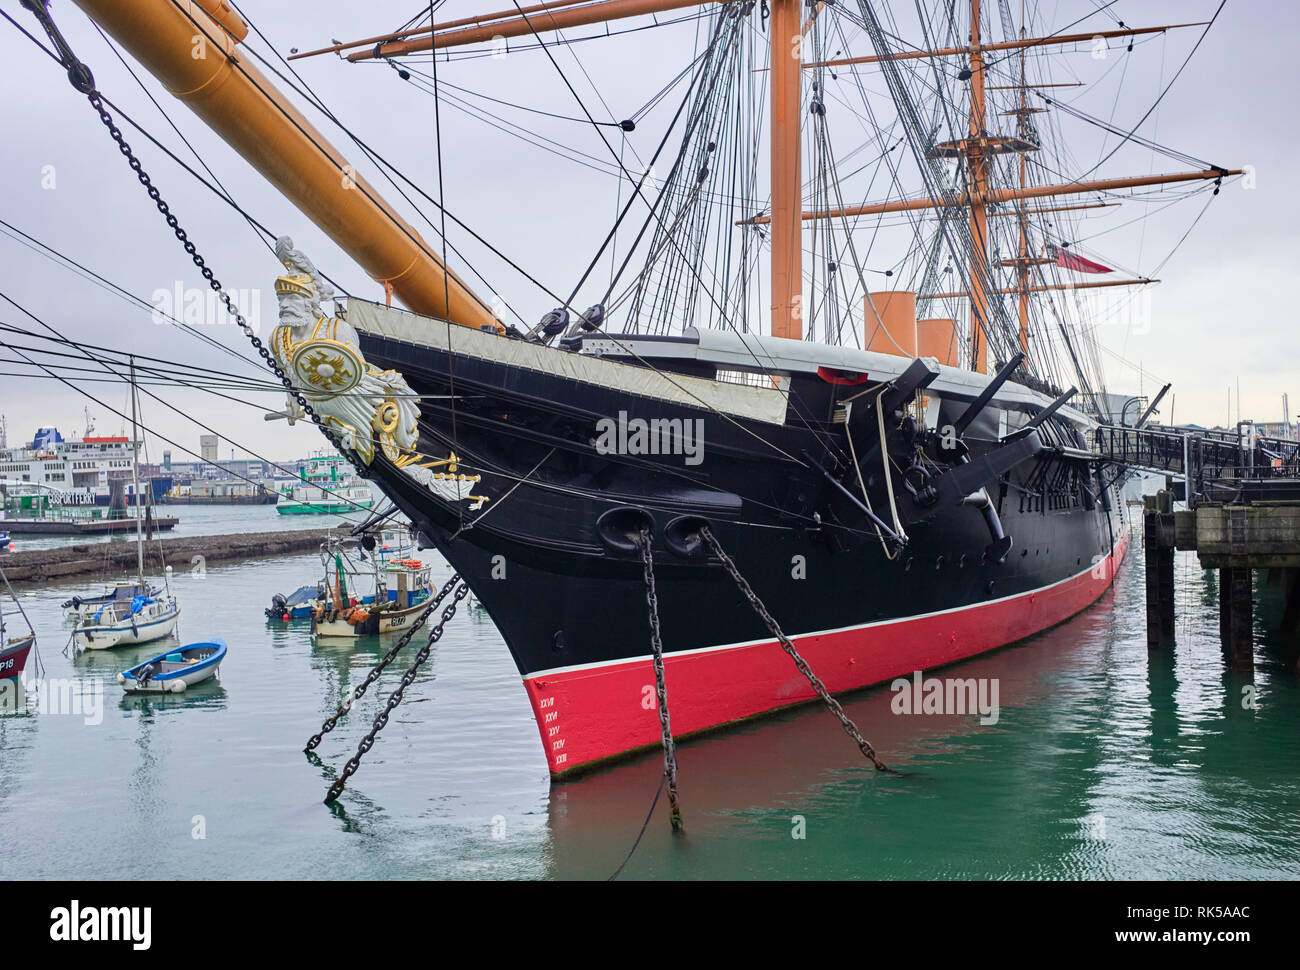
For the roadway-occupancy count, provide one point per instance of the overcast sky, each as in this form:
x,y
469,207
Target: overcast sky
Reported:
x,y
1219,314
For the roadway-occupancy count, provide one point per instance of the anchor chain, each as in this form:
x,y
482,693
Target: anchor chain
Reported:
x,y
356,695
832,704
395,698
643,543
83,81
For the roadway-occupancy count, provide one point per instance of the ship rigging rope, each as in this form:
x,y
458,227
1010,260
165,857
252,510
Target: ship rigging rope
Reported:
x,y
442,232
395,698
156,433
265,237
54,255
95,97
1155,104
304,90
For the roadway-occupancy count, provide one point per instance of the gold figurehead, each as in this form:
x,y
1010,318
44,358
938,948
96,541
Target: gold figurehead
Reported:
x,y
322,356
360,403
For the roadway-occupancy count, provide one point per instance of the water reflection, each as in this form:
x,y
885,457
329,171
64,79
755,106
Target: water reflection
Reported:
x,y
1107,761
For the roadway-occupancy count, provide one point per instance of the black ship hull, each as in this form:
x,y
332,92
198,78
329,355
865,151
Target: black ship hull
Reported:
x,y
539,519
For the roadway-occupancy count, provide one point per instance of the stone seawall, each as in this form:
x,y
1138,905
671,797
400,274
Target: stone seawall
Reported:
x,y
111,560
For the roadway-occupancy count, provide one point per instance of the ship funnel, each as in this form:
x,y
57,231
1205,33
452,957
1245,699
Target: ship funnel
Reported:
x,y
937,338
189,45
891,323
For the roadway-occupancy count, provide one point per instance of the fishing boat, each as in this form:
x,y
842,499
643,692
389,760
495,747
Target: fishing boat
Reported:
x,y
176,670
5,544
894,467
17,637
401,588
324,491
123,618
383,546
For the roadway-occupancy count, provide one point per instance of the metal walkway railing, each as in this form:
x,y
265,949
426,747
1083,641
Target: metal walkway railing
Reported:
x,y
1206,459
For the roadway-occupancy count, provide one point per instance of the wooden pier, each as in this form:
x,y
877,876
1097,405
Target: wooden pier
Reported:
x,y
70,526
108,560
1242,495
1234,539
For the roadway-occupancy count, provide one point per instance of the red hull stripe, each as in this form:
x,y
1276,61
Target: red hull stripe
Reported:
x,y
591,712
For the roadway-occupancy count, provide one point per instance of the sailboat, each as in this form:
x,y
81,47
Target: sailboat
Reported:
x,y
129,614
902,475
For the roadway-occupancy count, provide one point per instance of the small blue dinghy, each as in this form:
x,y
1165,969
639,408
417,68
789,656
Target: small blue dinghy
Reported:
x,y
174,671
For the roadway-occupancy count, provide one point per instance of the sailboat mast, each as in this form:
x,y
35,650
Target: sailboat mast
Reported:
x,y
135,480
1022,266
978,161
787,196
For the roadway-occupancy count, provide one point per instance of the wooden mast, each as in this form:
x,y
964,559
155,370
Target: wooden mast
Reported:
x,y
135,484
998,196
1022,270
1096,284
787,193
979,219
1004,46
546,18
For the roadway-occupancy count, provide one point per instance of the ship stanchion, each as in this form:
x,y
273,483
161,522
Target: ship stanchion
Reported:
x,y
643,542
395,698
832,704
346,705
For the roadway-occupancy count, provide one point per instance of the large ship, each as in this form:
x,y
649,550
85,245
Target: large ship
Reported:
x,y
72,472
897,473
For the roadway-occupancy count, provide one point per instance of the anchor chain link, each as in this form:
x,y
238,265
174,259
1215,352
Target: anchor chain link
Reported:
x,y
395,698
643,543
346,705
832,704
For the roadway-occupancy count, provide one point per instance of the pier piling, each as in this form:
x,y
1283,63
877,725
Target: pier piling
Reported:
x,y
1158,539
1236,540
1239,597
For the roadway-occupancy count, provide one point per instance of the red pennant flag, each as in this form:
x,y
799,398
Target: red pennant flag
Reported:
x,y
1068,260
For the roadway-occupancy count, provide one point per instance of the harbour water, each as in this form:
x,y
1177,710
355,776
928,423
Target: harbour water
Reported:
x,y
1105,763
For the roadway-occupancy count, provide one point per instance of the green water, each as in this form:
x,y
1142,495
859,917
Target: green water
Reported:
x,y
1106,763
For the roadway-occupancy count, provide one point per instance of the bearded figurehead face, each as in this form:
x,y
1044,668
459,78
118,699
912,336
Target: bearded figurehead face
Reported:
x,y
296,296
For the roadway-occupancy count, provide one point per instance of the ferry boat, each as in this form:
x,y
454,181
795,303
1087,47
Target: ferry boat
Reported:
x,y
323,490
70,472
